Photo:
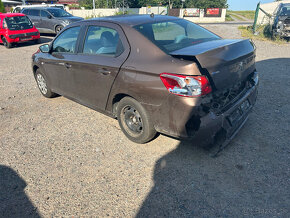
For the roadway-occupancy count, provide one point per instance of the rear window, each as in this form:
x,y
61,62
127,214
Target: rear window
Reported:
x,y
174,35
18,23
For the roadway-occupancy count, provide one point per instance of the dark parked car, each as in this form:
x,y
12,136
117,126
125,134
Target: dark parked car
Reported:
x,y
49,19
155,74
281,21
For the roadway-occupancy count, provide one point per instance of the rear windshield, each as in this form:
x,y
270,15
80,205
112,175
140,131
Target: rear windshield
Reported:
x,y
56,12
175,34
18,23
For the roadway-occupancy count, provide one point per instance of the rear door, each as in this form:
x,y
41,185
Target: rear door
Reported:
x,y
34,15
102,53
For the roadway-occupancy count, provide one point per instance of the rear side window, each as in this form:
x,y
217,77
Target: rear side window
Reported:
x,y
102,41
33,12
44,14
174,35
66,41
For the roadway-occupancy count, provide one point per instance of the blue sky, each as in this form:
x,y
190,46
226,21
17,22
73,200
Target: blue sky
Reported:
x,y
241,5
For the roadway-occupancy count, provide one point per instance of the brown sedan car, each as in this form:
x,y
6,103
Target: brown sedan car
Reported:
x,y
154,74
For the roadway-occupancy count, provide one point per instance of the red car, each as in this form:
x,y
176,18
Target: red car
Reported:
x,y
17,28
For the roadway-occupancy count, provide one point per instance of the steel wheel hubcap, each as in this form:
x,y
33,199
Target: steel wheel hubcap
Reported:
x,y
41,83
133,119
58,29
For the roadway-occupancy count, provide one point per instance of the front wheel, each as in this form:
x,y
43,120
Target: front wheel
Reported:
x,y
135,121
42,85
58,29
37,41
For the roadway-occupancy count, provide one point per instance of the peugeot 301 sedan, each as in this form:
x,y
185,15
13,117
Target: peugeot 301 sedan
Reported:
x,y
155,74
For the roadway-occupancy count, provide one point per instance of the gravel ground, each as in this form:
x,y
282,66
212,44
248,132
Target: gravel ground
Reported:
x,y
58,158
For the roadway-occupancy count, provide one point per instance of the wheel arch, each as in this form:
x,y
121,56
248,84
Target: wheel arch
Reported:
x,y
116,99
35,68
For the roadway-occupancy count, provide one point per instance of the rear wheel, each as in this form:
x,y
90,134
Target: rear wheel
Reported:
x,y
6,43
135,121
42,85
58,29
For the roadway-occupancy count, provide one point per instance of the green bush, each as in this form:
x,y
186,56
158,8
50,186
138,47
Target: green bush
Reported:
x,y
2,8
263,32
121,13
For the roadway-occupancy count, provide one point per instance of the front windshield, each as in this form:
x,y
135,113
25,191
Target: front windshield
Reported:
x,y
175,34
18,23
58,12
285,10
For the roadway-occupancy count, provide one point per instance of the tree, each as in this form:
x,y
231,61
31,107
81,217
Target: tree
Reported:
x,y
2,8
206,4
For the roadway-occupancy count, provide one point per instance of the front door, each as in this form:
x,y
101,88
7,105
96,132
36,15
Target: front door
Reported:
x,y
46,21
104,50
59,61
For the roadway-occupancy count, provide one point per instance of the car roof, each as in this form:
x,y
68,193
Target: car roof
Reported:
x,y
133,20
11,15
41,8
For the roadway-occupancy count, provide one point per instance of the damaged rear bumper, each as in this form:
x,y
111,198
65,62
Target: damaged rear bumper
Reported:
x,y
183,119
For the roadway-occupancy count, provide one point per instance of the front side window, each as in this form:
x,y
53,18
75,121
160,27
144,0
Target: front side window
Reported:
x,y
56,12
66,41
174,35
18,23
102,41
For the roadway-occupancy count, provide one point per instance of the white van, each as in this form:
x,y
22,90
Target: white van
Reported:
x,y
18,8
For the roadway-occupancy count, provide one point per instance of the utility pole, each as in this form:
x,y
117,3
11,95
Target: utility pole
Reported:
x,y
94,8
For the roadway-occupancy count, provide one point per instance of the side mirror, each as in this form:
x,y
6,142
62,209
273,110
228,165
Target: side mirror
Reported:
x,y
49,16
44,48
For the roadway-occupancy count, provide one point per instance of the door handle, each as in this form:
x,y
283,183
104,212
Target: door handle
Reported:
x,y
104,71
67,65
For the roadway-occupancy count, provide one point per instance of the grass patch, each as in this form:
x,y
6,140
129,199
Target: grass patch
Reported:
x,y
263,34
229,18
246,14
236,16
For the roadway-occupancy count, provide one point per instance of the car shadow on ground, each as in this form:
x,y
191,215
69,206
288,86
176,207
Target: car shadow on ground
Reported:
x,y
251,175
13,200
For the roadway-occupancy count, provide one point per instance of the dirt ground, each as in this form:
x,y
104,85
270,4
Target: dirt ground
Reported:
x,y
58,158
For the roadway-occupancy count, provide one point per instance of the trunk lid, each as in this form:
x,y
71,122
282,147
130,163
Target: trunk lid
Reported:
x,y
226,61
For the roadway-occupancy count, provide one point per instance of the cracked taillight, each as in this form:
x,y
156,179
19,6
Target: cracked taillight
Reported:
x,y
189,86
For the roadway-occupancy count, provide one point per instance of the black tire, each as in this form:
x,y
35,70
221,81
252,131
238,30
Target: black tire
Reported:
x,y
58,29
37,41
42,85
135,121
6,43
